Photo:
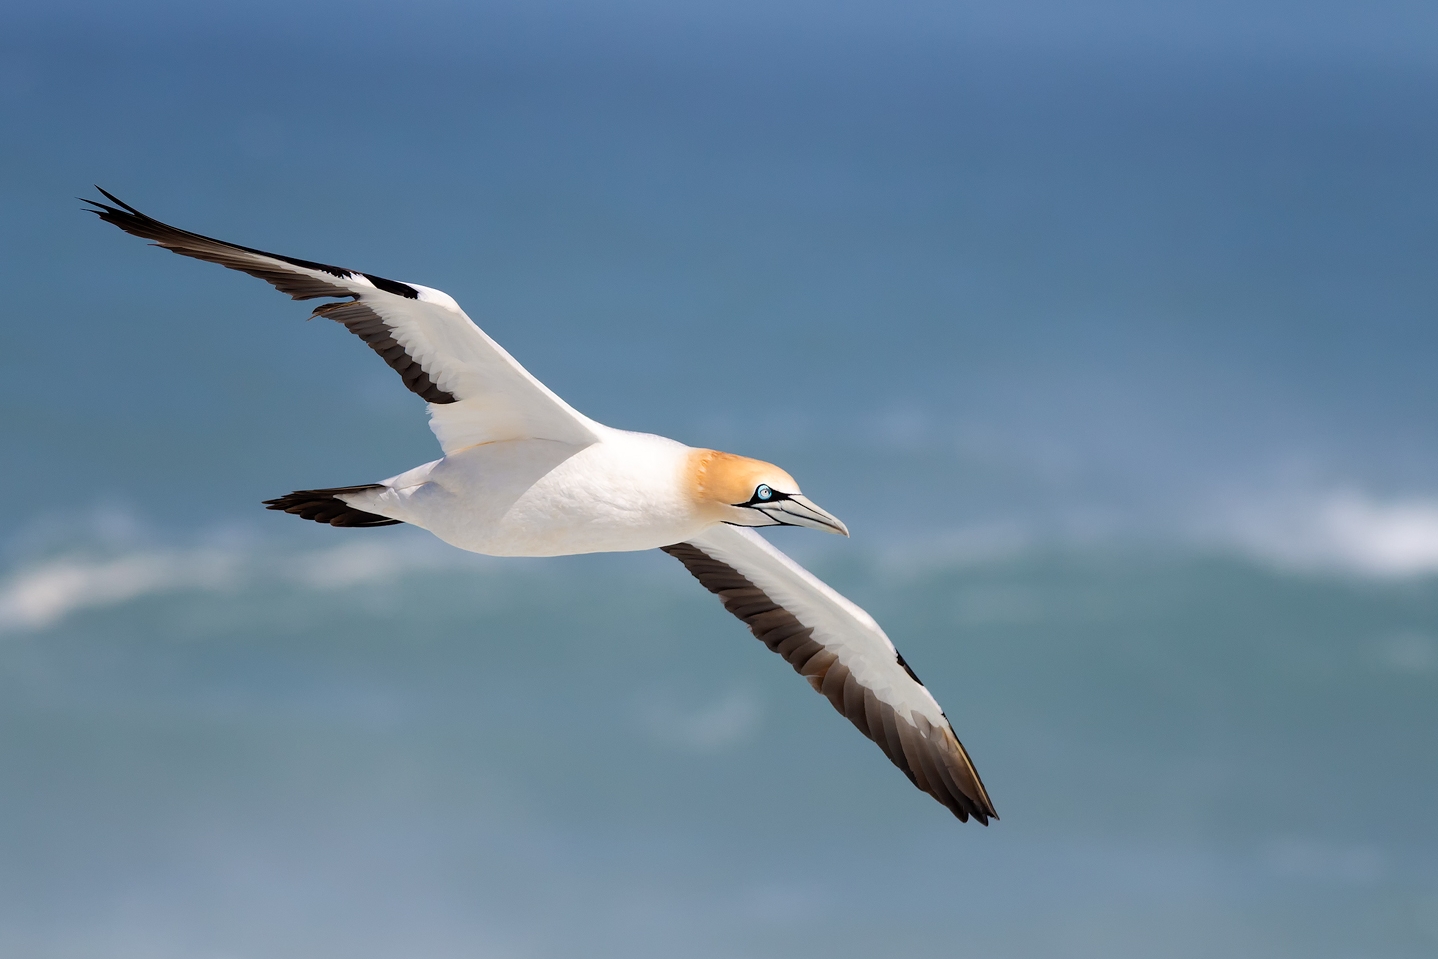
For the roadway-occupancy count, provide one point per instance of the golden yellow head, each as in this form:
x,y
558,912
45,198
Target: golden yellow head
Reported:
x,y
749,492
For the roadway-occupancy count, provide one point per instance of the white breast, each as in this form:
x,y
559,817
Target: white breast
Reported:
x,y
542,498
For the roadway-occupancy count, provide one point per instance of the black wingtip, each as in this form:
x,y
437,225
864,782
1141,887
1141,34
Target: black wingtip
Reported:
x,y
120,213
114,199
114,215
100,208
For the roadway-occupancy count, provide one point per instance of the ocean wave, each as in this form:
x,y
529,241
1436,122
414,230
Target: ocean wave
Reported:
x,y
1346,531
40,594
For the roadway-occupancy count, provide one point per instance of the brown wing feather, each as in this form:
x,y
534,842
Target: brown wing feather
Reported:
x,y
299,283
932,757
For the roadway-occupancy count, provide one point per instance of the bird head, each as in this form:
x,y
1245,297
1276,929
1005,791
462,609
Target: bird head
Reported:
x,y
746,492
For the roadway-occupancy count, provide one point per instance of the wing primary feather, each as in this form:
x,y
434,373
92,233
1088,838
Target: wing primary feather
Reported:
x,y
930,756
357,316
477,392
364,322
202,247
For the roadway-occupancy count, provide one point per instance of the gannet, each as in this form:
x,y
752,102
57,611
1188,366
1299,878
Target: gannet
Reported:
x,y
525,474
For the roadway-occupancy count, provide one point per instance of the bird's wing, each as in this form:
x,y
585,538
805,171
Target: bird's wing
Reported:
x,y
477,392
843,654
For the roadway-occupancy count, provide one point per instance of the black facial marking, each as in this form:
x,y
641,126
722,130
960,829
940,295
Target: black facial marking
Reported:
x,y
774,496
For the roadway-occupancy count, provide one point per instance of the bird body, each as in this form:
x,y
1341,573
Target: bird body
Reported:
x,y
625,491
525,474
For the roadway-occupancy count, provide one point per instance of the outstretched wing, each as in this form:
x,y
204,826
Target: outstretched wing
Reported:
x,y
844,654
477,392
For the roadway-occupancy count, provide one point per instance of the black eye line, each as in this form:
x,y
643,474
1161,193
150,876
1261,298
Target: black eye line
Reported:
x,y
774,497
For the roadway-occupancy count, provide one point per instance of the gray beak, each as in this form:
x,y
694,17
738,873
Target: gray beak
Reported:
x,y
798,511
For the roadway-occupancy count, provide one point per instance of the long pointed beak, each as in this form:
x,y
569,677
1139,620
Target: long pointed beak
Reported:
x,y
798,511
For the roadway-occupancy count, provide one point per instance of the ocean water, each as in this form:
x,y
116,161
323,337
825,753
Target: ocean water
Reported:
x,y
1107,329
380,747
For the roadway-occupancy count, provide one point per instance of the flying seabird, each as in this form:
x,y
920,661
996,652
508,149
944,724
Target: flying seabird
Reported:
x,y
525,474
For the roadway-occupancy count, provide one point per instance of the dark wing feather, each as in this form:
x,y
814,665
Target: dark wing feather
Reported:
x,y
301,279
926,750
477,392
324,506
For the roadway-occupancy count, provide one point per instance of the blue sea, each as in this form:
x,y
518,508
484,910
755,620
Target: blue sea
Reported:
x,y
1107,328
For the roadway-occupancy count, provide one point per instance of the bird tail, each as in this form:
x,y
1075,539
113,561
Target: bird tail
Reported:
x,y
325,506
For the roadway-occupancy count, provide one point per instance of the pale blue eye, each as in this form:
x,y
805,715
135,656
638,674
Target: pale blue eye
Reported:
x,y
763,492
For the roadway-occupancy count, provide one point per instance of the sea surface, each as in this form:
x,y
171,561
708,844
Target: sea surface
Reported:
x,y
1108,330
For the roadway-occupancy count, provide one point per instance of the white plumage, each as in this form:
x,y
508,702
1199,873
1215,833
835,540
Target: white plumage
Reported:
x,y
525,474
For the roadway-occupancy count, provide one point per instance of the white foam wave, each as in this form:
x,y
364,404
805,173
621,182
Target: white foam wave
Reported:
x,y
45,594
42,594
1347,530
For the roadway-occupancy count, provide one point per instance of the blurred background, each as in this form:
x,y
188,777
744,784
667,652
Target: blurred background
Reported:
x,y
1108,327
